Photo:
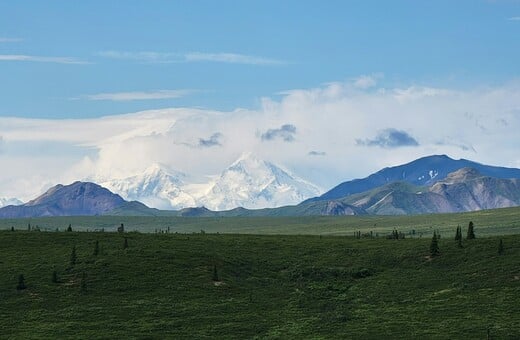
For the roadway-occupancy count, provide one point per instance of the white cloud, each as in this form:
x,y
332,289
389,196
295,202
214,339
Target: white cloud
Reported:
x,y
366,81
329,119
171,57
40,59
9,40
232,58
139,95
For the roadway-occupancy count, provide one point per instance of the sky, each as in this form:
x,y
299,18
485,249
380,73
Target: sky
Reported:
x,y
330,90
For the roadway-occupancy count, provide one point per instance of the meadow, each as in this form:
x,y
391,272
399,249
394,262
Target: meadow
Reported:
x,y
488,222
203,285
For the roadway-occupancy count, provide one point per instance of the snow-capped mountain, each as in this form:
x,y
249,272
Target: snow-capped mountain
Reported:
x,y
9,201
249,182
157,187
254,183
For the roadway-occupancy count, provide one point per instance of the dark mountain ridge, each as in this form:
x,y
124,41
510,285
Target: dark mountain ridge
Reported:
x,y
420,172
78,198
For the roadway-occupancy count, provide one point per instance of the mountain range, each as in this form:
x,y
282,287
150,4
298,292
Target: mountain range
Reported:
x,y
248,182
418,187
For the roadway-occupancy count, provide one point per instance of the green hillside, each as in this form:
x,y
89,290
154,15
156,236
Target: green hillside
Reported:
x,y
162,286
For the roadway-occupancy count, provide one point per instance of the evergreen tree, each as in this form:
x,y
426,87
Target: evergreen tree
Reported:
x,y
459,241
21,283
96,248
125,245
471,231
500,247
12,228
215,273
458,234
54,277
83,283
434,245
73,256
69,228
29,227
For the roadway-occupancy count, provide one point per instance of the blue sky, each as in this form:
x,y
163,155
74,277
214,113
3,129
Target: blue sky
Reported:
x,y
330,90
228,54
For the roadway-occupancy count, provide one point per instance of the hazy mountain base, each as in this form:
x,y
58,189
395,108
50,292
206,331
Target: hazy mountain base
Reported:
x,y
161,286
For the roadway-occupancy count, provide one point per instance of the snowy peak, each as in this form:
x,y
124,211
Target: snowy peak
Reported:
x,y
158,186
254,183
248,182
9,201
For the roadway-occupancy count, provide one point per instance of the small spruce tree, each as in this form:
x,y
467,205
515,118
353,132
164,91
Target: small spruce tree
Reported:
x,y
500,247
458,234
434,245
54,277
73,256
471,231
12,228
69,227
125,244
459,242
21,283
96,248
83,282
215,273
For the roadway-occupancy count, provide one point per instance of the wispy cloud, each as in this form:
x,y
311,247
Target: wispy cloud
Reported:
x,y
9,40
286,132
389,138
40,59
170,57
232,58
138,95
514,19
143,56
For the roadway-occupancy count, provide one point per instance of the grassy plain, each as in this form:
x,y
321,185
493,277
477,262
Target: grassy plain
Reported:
x,y
269,286
488,222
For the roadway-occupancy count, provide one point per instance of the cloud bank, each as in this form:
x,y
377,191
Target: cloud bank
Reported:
x,y
336,121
